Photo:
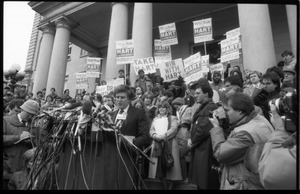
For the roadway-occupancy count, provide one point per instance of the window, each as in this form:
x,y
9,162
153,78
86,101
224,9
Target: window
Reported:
x,y
213,49
69,51
83,53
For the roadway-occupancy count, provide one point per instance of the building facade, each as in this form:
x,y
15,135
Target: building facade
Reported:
x,y
94,27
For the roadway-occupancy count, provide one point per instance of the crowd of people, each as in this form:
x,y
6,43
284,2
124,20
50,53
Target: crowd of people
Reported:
x,y
226,131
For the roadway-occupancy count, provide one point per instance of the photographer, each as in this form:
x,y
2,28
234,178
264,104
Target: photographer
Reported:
x,y
247,128
277,164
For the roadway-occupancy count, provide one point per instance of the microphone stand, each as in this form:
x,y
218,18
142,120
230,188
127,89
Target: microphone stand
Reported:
x,y
139,151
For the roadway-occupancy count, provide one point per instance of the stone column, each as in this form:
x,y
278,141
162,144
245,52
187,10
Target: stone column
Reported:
x,y
57,71
43,62
118,31
257,39
141,34
291,11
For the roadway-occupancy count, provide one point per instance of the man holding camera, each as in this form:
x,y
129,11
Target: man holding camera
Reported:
x,y
247,128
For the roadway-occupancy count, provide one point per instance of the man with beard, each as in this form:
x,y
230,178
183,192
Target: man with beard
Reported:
x,y
217,81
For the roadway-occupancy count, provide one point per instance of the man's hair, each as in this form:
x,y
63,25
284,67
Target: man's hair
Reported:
x,y
121,70
276,70
126,89
206,89
52,89
167,93
240,102
234,80
273,77
39,92
15,102
109,96
287,52
259,74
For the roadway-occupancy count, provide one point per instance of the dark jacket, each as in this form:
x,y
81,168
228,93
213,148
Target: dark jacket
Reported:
x,y
13,160
202,159
103,166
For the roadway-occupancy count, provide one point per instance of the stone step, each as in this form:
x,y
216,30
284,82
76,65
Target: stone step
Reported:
x,y
155,184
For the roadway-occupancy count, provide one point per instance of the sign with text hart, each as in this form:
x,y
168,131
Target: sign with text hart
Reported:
x,y
93,66
202,30
168,34
147,64
171,70
161,53
230,48
81,81
124,52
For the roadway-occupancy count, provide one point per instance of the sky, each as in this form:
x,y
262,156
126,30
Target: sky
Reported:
x,y
17,25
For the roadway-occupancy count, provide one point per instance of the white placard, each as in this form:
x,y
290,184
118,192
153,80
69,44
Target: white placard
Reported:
x,y
203,30
168,34
124,52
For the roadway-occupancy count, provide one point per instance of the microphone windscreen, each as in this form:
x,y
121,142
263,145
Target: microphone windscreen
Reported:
x,y
73,105
87,107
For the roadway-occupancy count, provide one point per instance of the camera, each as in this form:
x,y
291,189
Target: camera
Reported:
x,y
286,103
286,107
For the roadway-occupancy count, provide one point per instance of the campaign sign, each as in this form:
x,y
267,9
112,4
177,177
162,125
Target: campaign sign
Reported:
x,y
93,66
147,64
171,70
81,81
168,34
202,30
124,52
230,49
161,53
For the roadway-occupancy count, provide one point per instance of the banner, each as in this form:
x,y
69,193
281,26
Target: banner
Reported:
x,y
93,66
81,81
161,53
233,33
168,34
147,64
202,30
103,90
205,63
171,70
124,52
230,49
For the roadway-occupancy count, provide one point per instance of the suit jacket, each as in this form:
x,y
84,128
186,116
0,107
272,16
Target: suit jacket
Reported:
x,y
136,124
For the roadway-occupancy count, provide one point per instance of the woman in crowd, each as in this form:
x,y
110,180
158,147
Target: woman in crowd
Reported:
x,y
150,108
48,105
163,131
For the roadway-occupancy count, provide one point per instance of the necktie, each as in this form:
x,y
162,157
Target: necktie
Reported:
x,y
121,111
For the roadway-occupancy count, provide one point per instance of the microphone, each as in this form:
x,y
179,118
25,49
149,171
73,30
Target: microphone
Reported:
x,y
72,105
84,116
87,107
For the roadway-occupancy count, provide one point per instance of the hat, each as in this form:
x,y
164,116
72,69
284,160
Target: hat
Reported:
x,y
178,101
31,106
289,70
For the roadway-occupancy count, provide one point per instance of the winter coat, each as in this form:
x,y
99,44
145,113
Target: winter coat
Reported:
x,y
155,170
277,166
13,160
202,159
231,152
145,83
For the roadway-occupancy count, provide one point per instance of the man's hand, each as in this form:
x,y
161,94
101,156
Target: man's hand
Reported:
x,y
189,143
275,118
214,121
